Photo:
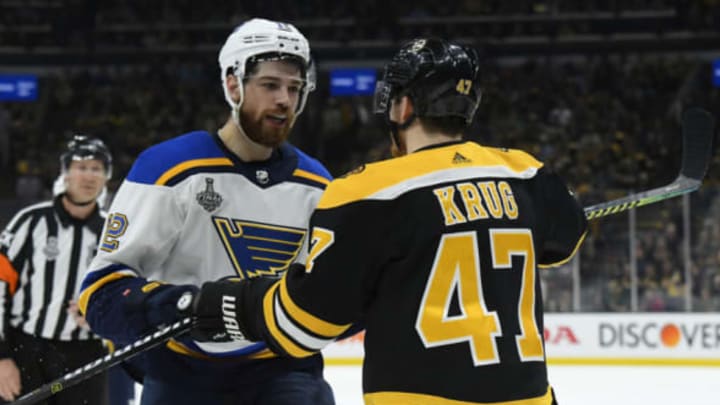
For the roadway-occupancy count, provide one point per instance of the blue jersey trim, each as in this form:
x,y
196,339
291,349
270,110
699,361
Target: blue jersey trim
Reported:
x,y
158,159
96,275
311,165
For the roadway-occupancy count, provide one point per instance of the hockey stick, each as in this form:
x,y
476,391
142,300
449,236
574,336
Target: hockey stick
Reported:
x,y
98,366
697,132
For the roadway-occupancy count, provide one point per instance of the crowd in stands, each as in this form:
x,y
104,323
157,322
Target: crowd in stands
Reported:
x,y
99,24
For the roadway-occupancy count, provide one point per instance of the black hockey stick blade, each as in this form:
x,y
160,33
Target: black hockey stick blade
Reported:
x,y
697,127
98,366
698,132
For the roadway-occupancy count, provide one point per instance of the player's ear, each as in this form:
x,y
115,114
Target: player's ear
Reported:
x,y
406,108
232,83
400,109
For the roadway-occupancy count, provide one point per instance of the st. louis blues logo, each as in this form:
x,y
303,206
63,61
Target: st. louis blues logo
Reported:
x,y
257,249
209,199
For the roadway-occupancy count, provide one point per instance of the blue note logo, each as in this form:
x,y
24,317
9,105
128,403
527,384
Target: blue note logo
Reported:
x,y
258,249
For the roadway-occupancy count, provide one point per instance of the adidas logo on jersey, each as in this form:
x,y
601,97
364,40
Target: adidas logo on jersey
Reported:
x,y
458,158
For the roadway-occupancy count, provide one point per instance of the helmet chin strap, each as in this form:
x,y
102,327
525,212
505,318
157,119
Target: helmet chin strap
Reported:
x,y
395,129
236,116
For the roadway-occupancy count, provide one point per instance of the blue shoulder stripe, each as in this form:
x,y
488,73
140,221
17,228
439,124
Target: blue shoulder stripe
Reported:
x,y
160,163
310,165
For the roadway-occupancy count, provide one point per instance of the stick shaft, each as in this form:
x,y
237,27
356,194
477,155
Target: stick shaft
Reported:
x,y
678,187
98,366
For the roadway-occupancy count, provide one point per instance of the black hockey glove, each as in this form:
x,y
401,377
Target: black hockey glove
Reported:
x,y
217,309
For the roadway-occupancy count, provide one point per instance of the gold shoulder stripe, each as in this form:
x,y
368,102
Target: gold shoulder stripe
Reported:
x,y
311,176
567,259
425,168
191,164
269,314
85,295
403,398
306,319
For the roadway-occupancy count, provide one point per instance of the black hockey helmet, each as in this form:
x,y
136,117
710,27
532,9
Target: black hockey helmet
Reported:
x,y
440,77
83,147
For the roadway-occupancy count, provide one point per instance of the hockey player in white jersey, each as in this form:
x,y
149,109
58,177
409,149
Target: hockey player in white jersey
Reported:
x,y
205,206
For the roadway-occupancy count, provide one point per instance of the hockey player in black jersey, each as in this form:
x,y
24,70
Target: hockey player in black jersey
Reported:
x,y
437,250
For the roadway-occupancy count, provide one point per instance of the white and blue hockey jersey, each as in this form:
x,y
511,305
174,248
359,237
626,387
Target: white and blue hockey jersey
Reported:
x,y
190,211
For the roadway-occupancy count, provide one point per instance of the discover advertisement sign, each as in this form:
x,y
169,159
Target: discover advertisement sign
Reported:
x,y
606,338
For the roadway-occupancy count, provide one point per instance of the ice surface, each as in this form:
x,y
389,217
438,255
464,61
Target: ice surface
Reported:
x,y
590,385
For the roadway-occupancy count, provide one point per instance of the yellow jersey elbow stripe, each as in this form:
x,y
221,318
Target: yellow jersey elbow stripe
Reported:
x,y
191,164
292,348
567,259
296,332
404,398
311,176
85,295
309,321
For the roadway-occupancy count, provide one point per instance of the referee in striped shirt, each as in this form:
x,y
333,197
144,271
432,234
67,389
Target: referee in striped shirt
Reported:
x,y
43,253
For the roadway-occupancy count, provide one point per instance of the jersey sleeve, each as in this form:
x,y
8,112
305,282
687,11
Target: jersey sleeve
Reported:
x,y
562,218
13,256
311,305
141,230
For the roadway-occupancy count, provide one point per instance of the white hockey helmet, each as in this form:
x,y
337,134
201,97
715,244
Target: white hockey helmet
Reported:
x,y
264,37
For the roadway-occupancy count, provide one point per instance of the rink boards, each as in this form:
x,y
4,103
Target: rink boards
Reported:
x,y
683,339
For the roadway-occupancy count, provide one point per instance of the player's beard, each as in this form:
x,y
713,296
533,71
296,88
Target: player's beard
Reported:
x,y
264,134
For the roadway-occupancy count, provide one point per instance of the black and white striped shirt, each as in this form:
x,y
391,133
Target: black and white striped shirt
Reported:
x,y
43,255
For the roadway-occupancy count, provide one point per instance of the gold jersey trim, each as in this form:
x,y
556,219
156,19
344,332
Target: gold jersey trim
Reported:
x,y
567,259
269,314
191,164
181,348
388,179
314,324
311,176
406,398
88,292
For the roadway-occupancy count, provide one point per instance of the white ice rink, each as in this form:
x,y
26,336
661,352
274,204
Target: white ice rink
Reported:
x,y
590,385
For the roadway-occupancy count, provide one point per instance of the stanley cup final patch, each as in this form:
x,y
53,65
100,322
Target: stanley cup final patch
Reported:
x,y
208,198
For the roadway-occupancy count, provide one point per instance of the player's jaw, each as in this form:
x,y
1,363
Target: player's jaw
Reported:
x,y
269,128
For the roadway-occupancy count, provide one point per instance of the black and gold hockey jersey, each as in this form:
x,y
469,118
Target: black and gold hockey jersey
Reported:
x,y
437,252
